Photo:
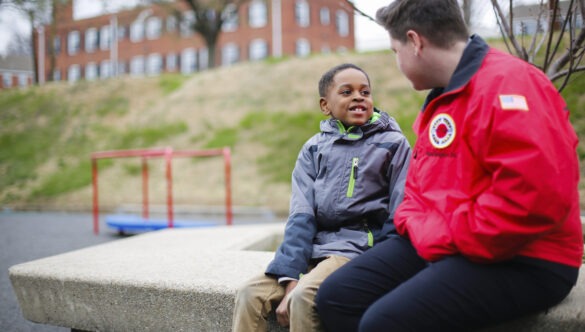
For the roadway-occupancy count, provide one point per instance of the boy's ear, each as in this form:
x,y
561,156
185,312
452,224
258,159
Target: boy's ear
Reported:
x,y
323,104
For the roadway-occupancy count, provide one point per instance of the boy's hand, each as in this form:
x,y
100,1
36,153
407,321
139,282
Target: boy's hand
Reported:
x,y
282,309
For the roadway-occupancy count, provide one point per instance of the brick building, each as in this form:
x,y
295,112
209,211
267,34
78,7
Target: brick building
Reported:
x,y
155,39
15,71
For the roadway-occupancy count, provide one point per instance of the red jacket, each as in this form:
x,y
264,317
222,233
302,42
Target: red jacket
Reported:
x,y
494,172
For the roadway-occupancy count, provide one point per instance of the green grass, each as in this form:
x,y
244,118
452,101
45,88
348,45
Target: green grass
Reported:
x,y
222,138
35,127
284,134
171,82
145,137
31,127
66,179
116,105
41,130
575,99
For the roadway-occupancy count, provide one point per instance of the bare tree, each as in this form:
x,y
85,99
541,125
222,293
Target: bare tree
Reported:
x,y
559,44
55,7
209,17
36,12
560,60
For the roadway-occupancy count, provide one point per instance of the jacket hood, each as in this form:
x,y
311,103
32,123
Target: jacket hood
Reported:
x,y
380,121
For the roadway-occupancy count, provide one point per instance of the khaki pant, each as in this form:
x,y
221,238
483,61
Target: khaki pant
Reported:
x,y
260,295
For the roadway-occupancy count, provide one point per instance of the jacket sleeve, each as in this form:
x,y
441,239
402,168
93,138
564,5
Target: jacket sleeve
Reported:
x,y
397,175
528,156
397,171
292,257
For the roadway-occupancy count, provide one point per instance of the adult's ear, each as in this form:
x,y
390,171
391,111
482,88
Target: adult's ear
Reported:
x,y
416,40
323,104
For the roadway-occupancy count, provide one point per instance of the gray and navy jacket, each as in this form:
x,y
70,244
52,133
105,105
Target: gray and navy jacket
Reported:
x,y
346,185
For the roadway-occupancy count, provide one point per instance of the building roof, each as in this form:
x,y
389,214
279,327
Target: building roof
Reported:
x,y
532,11
16,63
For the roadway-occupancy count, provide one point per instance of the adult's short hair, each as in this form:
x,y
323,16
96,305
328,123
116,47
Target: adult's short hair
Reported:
x,y
440,21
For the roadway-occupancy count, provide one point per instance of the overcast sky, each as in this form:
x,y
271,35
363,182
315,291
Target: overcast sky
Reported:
x,y
369,35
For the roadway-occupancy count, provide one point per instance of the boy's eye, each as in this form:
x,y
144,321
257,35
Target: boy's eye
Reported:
x,y
346,92
366,92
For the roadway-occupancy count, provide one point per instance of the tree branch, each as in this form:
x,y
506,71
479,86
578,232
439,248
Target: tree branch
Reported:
x,y
506,30
576,46
352,5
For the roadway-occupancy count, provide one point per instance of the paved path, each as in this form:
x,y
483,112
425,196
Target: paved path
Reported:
x,y
26,236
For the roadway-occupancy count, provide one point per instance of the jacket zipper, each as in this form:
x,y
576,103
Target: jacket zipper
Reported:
x,y
352,176
370,235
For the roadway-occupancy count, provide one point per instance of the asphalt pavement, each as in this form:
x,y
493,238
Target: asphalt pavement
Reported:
x,y
27,236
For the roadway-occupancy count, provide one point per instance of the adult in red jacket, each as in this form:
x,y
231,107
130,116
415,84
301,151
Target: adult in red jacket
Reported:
x,y
489,229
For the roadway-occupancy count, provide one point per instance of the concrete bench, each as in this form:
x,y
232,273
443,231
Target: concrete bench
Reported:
x,y
181,280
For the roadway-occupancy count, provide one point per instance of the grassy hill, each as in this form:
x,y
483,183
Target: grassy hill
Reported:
x,y
264,111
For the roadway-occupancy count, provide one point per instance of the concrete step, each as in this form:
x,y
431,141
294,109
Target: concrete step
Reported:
x,y
181,280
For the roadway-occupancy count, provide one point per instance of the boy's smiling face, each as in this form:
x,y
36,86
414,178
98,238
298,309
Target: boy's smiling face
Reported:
x,y
349,98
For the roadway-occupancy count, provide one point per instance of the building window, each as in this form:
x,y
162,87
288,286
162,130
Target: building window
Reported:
x,y
91,71
257,14
105,37
121,31
187,23
137,66
342,23
171,23
302,47
203,58
56,45
171,62
73,42
137,31
73,73
230,54
302,13
91,40
122,68
230,18
154,64
324,16
258,49
153,27
22,80
105,69
7,80
188,61
56,75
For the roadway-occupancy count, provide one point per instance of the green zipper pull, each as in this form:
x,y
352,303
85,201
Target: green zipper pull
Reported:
x,y
370,235
352,176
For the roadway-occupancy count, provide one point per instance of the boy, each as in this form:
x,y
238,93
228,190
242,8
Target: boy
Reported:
x,y
346,184
489,225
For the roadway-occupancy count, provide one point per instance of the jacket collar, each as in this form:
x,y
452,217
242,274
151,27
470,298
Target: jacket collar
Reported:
x,y
379,121
471,59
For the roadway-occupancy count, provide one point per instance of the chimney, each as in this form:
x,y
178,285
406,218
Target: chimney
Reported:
x,y
63,10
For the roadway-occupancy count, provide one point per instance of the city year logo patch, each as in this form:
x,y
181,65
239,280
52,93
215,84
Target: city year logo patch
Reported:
x,y
442,131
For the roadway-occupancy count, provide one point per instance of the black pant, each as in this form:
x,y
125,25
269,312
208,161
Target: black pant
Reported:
x,y
390,288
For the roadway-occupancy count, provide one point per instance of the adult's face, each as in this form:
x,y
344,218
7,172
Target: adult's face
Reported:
x,y
408,60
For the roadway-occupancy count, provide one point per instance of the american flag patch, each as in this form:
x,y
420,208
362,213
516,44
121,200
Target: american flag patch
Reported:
x,y
513,102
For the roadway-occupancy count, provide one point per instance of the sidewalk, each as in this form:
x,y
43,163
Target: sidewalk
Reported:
x,y
26,236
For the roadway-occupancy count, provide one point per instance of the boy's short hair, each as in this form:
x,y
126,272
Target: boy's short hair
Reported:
x,y
440,21
327,79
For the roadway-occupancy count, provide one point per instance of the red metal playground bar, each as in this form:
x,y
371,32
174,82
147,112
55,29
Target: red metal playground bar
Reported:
x,y
168,154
